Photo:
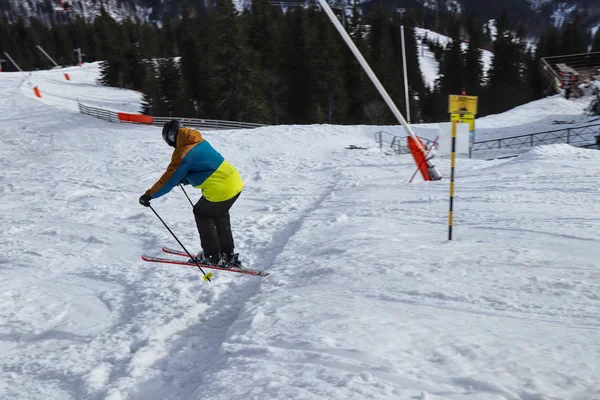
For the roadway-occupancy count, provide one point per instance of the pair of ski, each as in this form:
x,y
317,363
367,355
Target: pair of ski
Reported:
x,y
187,263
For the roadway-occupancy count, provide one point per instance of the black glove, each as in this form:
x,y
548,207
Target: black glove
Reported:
x,y
145,200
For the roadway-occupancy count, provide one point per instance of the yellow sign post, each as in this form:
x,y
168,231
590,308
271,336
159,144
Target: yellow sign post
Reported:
x,y
462,109
464,119
462,105
453,163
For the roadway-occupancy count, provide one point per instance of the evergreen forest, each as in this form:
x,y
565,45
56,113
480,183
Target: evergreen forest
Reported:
x,y
277,65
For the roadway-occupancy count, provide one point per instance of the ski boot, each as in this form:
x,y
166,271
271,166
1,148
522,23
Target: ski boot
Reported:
x,y
229,260
202,259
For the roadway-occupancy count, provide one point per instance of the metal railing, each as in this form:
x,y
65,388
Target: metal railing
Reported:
x,y
207,124
397,144
582,61
110,116
586,64
204,124
582,136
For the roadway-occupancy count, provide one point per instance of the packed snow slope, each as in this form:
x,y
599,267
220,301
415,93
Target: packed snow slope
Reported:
x,y
367,299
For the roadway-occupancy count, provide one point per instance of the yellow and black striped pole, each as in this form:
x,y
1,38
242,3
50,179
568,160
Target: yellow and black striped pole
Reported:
x,y
453,158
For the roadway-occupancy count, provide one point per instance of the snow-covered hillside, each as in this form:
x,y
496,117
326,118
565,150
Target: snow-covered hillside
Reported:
x,y
427,62
84,88
144,10
88,9
367,299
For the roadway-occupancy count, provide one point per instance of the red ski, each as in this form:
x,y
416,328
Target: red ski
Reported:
x,y
188,264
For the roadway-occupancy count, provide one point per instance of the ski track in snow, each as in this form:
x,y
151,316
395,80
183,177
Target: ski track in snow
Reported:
x,y
366,297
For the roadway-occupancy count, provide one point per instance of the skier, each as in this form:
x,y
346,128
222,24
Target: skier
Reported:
x,y
197,163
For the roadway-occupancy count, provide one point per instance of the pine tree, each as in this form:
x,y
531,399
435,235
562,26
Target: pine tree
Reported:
x,y
82,36
23,44
167,40
265,39
37,32
573,38
451,69
381,58
325,70
294,67
236,86
506,82
5,44
355,78
151,94
149,46
548,46
62,45
106,30
192,59
171,96
134,72
549,43
452,77
473,63
526,67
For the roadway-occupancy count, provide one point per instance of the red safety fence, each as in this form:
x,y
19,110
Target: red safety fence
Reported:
x,y
135,118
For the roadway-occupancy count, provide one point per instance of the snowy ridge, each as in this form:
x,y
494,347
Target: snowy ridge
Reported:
x,y
594,30
562,13
88,9
366,297
429,65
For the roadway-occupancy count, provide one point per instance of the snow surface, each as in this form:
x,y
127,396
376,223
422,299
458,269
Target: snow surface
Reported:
x,y
367,299
84,87
429,65
562,13
493,29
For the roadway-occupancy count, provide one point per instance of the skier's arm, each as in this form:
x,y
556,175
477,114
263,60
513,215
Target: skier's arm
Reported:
x,y
175,173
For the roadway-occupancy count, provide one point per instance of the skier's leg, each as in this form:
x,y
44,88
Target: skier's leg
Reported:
x,y
223,225
209,239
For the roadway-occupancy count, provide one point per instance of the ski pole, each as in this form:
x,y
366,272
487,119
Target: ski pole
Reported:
x,y
206,276
186,195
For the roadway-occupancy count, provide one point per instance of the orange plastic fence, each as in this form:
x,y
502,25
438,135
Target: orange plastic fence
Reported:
x,y
137,118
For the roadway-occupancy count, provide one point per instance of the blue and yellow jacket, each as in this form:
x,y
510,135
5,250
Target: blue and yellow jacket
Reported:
x,y
196,162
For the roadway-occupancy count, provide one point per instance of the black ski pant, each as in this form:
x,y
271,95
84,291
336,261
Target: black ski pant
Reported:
x,y
214,227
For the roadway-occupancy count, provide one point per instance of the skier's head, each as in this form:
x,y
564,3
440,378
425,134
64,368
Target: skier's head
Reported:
x,y
169,132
